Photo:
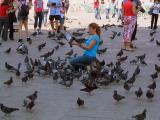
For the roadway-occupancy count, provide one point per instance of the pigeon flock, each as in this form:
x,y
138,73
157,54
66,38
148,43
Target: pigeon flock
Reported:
x,y
57,67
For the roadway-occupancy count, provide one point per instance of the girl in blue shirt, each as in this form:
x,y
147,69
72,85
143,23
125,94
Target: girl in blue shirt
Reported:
x,y
90,47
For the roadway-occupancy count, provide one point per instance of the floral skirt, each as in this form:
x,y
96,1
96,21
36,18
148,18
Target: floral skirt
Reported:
x,y
129,26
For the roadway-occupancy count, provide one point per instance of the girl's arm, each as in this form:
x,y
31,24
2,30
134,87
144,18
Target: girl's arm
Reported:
x,y
83,46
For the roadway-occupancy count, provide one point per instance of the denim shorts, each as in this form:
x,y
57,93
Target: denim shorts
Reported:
x,y
62,21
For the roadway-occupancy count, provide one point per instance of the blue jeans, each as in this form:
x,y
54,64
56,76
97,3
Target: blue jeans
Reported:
x,y
107,12
97,13
119,13
4,25
45,17
79,62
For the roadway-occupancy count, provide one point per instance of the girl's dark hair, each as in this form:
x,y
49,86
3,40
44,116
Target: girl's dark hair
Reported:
x,y
97,27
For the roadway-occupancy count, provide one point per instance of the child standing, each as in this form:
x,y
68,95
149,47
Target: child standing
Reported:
x,y
38,16
62,16
4,19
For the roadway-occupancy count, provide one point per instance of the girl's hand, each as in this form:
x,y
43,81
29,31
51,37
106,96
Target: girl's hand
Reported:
x,y
75,43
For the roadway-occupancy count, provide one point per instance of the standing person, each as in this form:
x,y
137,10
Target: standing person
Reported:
x,y
55,14
23,6
129,13
155,13
12,18
66,4
4,19
113,8
119,9
97,9
45,13
62,20
38,16
107,8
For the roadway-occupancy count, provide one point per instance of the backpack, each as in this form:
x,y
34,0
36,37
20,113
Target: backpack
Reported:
x,y
24,10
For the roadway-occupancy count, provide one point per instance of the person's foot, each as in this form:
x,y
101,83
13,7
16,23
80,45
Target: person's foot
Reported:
x,y
11,38
34,34
39,33
20,40
29,40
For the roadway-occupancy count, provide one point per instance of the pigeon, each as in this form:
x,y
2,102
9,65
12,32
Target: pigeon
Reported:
x,y
80,102
33,96
9,67
143,62
133,62
61,43
149,94
110,65
126,86
8,110
8,50
24,79
157,68
120,53
141,57
137,71
29,41
100,43
117,97
131,80
89,88
101,51
157,42
70,53
152,40
141,116
9,82
152,86
41,46
154,75
55,77
56,47
139,93
28,104
122,59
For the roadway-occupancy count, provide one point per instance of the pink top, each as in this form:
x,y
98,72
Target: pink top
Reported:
x,y
127,8
38,5
96,4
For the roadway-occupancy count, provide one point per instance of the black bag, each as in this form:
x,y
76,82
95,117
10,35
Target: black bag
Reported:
x,y
24,11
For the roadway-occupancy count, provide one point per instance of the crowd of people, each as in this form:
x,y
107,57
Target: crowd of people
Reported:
x,y
126,11
18,10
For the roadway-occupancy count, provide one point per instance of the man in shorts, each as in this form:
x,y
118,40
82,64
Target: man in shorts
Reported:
x,y
55,13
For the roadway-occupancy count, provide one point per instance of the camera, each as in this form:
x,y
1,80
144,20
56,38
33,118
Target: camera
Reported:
x,y
54,4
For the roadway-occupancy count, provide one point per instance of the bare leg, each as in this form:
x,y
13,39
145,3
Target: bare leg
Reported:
x,y
26,28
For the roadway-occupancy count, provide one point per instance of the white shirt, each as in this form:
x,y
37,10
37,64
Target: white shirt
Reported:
x,y
45,4
156,8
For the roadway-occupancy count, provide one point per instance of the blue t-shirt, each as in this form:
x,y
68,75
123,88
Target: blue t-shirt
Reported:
x,y
55,10
93,51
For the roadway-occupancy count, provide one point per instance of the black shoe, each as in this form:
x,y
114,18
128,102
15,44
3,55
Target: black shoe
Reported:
x,y
20,40
39,33
34,34
29,40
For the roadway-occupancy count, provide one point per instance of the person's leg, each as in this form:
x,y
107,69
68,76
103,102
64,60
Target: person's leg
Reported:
x,y
5,29
81,61
35,22
152,20
155,23
45,18
51,18
20,29
40,21
26,28
11,29
134,33
1,26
